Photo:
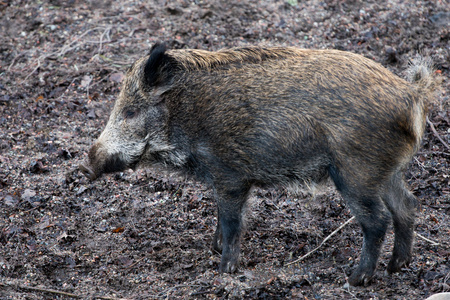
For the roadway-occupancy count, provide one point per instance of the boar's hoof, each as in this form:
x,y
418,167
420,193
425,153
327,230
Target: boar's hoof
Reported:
x,y
227,267
87,171
359,278
395,265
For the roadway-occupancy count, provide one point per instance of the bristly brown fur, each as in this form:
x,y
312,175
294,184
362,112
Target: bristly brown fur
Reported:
x,y
193,59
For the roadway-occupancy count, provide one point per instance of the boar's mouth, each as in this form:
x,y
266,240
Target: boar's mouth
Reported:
x,y
87,171
94,169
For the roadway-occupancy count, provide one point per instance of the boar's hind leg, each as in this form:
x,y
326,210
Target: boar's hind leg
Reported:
x,y
402,204
373,217
371,213
231,205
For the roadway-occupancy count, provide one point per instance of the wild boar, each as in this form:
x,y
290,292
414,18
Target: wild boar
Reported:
x,y
258,116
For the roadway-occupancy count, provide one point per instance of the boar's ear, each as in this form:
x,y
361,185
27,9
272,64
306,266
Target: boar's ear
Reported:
x,y
156,69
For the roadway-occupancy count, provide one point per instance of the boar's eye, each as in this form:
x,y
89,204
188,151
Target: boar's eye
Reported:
x,y
130,113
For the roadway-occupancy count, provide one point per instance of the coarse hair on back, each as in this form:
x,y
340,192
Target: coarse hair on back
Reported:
x,y
162,63
194,59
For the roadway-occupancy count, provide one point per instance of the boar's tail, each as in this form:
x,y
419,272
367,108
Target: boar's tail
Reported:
x,y
421,73
422,76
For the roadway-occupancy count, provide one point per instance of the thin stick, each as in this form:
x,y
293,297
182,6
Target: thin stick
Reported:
x,y
169,290
38,289
419,163
436,134
136,262
66,48
16,57
50,291
428,240
323,242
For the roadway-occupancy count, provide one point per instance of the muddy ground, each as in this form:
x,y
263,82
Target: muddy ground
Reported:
x,y
147,234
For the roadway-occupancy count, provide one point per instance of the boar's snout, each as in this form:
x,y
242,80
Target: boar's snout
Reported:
x,y
86,169
91,167
100,161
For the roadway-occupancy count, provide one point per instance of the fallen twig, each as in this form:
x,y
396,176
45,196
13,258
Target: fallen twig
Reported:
x,y
16,57
64,49
419,163
39,289
436,134
136,262
51,291
323,242
428,240
165,293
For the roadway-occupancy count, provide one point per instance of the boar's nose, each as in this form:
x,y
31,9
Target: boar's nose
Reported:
x,y
87,171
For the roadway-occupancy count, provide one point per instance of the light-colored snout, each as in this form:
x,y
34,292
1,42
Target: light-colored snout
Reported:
x,y
87,171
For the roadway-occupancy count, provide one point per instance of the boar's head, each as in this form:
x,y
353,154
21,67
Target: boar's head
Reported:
x,y
137,126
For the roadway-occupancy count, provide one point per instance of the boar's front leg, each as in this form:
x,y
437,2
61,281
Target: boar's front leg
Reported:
x,y
231,201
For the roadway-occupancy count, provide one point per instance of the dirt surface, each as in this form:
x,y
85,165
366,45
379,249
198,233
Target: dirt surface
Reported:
x,y
147,234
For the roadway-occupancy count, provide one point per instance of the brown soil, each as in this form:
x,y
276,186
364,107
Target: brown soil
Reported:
x,y
147,234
